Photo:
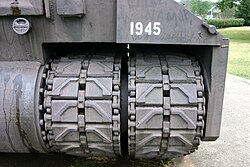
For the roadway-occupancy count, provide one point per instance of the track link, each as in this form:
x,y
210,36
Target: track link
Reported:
x,y
81,109
166,105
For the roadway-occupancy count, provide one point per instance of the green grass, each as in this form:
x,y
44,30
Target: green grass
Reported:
x,y
239,50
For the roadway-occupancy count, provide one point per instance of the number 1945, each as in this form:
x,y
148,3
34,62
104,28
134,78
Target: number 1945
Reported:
x,y
152,28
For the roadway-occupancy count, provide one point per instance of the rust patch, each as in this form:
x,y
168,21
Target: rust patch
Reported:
x,y
14,8
18,83
7,116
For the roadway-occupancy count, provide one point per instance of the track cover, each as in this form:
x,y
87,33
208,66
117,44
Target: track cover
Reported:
x,y
160,22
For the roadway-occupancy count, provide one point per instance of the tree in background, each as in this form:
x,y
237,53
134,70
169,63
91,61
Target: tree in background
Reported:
x,y
225,4
244,11
200,7
228,13
242,8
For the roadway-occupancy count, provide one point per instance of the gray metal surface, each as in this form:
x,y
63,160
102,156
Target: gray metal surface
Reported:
x,y
19,128
81,105
73,8
216,92
98,25
166,114
21,7
79,97
175,24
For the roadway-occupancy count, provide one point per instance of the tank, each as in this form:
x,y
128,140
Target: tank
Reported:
x,y
137,78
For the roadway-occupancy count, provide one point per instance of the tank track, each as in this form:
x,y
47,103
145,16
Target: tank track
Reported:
x,y
80,105
166,105
81,109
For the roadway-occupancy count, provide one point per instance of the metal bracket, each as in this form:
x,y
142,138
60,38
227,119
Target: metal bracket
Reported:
x,y
211,28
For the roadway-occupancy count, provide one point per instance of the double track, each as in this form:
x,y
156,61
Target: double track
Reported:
x,y
86,102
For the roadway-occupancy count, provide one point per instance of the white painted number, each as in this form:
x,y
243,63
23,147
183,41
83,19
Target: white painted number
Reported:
x,y
157,30
148,29
132,28
138,28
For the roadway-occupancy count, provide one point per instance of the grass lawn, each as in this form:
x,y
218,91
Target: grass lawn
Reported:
x,y
239,50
